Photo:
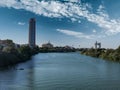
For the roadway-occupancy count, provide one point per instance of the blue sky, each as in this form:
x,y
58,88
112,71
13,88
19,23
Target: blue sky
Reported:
x,y
63,22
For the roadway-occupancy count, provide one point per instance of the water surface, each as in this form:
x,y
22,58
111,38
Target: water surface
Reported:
x,y
62,71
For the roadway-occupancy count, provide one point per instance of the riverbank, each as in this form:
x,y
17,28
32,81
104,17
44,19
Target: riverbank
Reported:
x,y
107,54
56,49
15,56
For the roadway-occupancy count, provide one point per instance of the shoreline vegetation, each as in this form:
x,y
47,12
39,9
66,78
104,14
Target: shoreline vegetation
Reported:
x,y
56,49
106,54
10,54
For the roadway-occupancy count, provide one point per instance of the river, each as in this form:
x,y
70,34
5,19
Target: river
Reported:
x,y
62,71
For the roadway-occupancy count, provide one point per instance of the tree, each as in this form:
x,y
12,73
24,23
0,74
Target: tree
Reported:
x,y
10,49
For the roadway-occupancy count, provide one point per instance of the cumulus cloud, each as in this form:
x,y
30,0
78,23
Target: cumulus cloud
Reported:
x,y
71,10
72,0
75,34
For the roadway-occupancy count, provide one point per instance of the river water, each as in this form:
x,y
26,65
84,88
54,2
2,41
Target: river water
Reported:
x,y
62,71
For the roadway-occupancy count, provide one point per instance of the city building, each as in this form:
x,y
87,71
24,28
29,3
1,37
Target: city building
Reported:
x,y
32,32
4,43
7,43
47,45
68,47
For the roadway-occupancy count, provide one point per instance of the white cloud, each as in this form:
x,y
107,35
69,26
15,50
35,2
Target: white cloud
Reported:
x,y
73,19
21,23
72,0
88,6
94,31
79,21
75,34
100,8
73,11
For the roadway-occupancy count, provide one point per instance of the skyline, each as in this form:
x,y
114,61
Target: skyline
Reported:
x,y
72,22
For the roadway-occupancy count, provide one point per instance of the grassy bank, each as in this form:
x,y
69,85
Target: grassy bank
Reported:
x,y
107,54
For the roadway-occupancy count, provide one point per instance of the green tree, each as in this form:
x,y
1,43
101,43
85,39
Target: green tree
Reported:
x,y
10,49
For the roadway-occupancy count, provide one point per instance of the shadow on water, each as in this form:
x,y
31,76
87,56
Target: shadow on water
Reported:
x,y
18,77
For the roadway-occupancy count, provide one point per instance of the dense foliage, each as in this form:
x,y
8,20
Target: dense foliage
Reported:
x,y
56,49
108,54
11,55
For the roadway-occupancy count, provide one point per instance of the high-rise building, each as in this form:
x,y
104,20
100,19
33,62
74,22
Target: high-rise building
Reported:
x,y
32,32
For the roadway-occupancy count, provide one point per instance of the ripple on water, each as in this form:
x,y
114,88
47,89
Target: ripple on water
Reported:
x,y
62,71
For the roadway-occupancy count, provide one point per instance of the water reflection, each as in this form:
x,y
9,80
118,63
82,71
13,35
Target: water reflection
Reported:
x,y
30,77
6,77
62,71
15,78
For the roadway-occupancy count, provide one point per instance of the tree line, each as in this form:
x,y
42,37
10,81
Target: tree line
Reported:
x,y
12,54
108,54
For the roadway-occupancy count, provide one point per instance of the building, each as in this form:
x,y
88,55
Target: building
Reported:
x,y
32,32
7,43
97,45
47,45
68,47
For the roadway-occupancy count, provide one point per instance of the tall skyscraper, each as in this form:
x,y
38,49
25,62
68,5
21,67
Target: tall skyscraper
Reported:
x,y
32,32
